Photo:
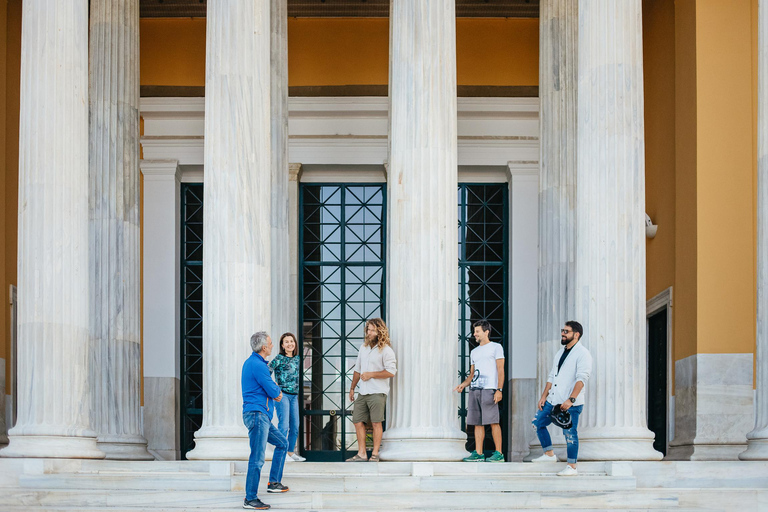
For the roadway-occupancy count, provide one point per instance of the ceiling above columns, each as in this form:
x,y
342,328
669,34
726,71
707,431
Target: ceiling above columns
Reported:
x,y
348,8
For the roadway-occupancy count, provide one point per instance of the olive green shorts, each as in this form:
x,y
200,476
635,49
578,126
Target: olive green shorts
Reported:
x,y
369,408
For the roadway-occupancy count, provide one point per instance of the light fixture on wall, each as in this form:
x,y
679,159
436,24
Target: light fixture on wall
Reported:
x,y
650,227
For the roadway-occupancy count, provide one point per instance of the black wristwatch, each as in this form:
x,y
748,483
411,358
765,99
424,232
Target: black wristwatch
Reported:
x,y
573,400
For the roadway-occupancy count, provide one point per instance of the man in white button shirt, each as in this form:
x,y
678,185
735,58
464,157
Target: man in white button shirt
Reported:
x,y
566,381
375,365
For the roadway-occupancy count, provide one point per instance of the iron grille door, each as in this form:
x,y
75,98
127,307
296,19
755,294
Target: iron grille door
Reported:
x,y
342,276
191,313
483,280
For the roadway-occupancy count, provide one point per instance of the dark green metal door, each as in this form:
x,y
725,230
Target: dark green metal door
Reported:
x,y
191,313
483,281
342,276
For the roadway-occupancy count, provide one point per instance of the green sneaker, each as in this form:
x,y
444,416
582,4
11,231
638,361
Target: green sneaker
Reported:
x,y
474,457
496,457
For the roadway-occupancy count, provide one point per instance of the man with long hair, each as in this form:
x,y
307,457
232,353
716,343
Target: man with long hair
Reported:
x,y
375,365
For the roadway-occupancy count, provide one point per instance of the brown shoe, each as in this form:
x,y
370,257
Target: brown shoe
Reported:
x,y
374,458
357,458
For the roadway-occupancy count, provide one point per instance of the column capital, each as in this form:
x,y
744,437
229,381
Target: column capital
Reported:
x,y
294,172
160,169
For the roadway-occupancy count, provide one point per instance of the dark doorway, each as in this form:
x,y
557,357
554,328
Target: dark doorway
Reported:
x,y
657,378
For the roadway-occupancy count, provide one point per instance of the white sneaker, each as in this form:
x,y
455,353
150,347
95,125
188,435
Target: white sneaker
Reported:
x,y
545,458
297,457
288,459
568,471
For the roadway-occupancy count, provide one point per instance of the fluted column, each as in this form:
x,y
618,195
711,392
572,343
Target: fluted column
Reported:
x,y
610,233
558,52
282,320
237,250
757,440
53,409
114,229
422,422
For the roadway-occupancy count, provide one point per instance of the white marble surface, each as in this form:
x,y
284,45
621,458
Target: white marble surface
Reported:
x,y
422,423
54,400
283,319
237,250
558,54
161,416
114,229
610,232
758,438
713,406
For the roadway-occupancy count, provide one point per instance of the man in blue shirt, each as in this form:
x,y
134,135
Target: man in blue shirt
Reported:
x,y
260,393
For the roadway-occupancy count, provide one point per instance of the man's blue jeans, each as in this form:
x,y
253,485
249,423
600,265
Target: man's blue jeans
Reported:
x,y
288,418
260,432
541,421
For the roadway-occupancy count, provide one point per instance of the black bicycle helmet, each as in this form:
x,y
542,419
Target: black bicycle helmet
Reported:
x,y
560,417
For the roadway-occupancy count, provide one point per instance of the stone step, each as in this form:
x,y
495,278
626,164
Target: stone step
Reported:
x,y
336,468
331,483
199,500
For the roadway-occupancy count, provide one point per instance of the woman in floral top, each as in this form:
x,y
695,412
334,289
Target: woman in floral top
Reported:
x,y
286,368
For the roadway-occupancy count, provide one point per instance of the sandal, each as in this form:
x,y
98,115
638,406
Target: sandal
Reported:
x,y
358,458
374,458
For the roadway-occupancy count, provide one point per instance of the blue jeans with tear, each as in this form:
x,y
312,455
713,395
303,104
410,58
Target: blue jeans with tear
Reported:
x,y
541,421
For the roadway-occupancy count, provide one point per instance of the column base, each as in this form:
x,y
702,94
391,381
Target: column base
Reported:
x,y
757,449
701,451
403,445
220,448
52,447
124,448
618,444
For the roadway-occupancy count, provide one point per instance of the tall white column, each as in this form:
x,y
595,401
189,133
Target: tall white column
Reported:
x,y
558,53
757,440
237,212
115,288
281,260
610,239
422,420
54,400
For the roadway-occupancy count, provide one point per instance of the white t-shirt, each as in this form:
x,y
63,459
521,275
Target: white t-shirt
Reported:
x,y
484,358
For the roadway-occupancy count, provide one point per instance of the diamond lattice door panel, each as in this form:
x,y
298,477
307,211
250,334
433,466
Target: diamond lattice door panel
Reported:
x,y
342,274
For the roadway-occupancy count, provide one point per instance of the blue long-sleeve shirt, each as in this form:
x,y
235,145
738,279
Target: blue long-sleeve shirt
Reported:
x,y
259,390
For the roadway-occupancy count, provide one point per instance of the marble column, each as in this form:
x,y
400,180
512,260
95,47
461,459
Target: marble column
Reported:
x,y
282,321
115,260
610,232
422,420
54,400
757,440
558,52
237,250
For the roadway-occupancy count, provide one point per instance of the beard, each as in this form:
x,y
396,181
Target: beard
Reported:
x,y
372,340
564,341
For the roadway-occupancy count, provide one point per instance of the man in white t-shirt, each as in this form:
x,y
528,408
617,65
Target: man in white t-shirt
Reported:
x,y
485,381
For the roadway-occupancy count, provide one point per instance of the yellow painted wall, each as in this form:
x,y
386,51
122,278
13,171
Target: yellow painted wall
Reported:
x,y
725,189
685,328
9,165
5,214
172,51
348,51
659,85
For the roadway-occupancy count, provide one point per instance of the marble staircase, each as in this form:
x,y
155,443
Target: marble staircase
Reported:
x,y
94,486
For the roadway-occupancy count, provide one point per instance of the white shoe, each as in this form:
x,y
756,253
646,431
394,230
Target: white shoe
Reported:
x,y
288,459
545,458
297,457
568,471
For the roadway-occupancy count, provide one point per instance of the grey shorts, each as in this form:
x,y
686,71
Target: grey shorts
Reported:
x,y
369,408
480,407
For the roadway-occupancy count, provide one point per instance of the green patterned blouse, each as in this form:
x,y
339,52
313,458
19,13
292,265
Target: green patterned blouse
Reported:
x,y
286,373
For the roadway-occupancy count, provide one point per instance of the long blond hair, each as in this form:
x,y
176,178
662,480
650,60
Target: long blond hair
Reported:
x,y
382,334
